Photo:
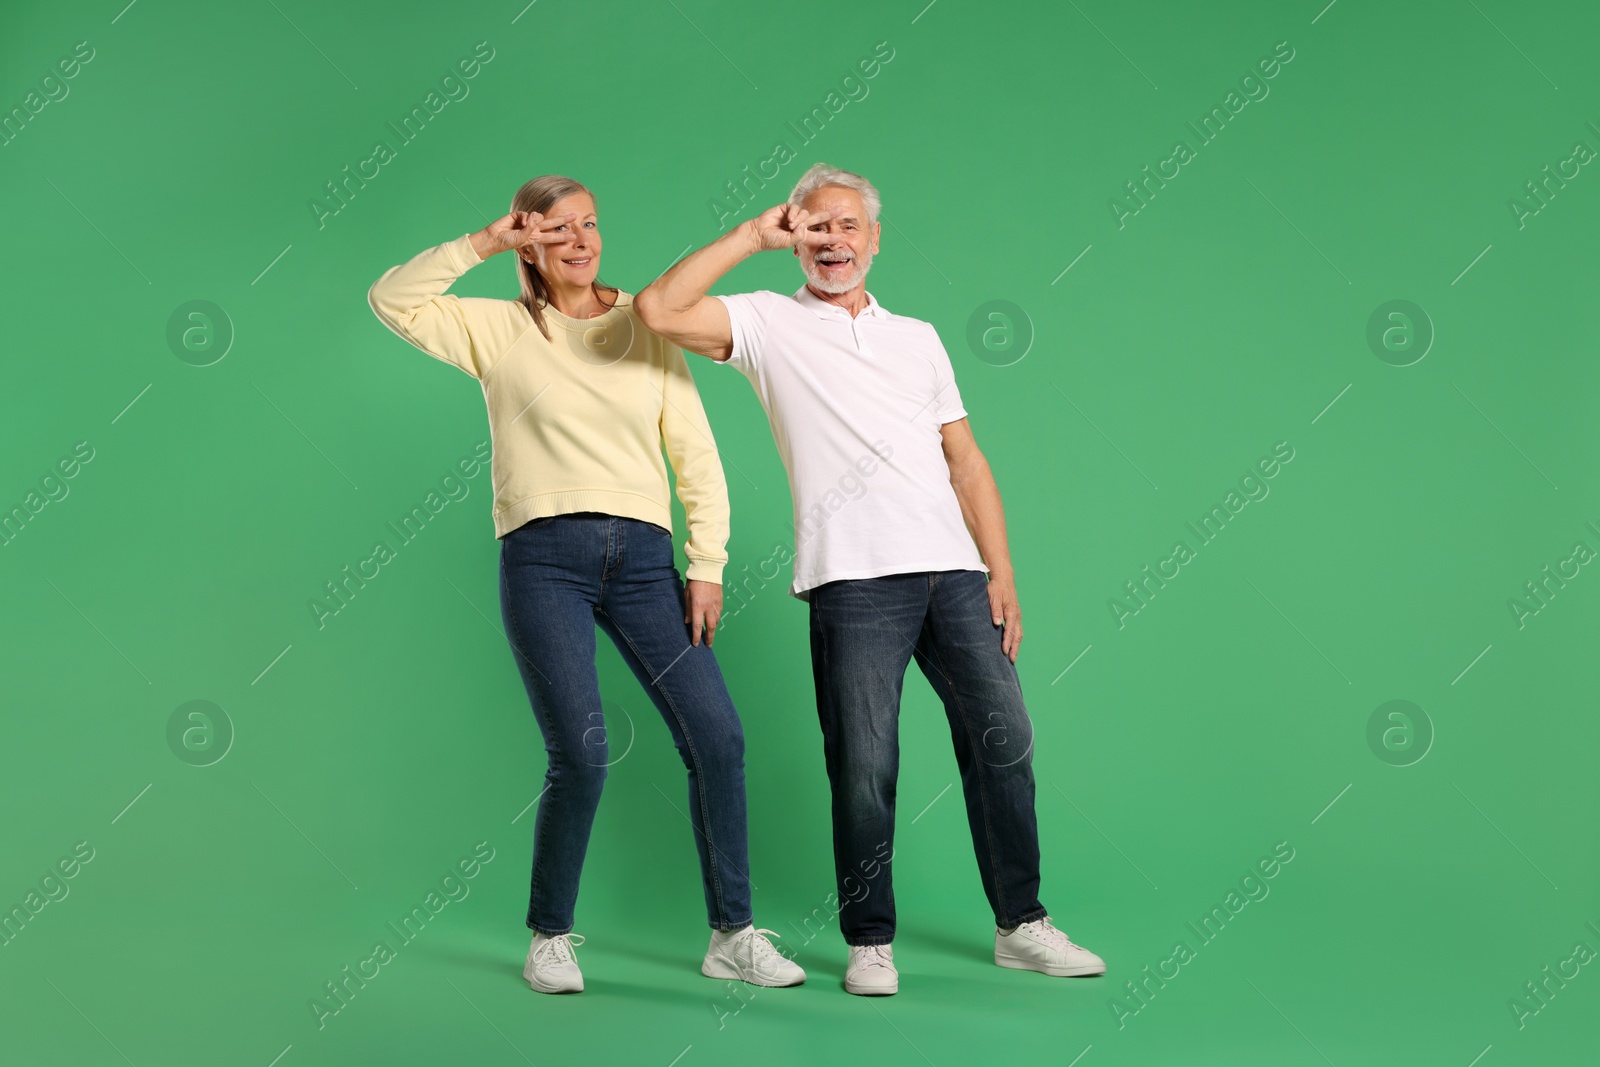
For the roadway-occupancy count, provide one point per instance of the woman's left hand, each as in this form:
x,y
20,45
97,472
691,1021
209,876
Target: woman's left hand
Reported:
x,y
703,601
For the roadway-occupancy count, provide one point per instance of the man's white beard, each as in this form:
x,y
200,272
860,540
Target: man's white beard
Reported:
x,y
839,285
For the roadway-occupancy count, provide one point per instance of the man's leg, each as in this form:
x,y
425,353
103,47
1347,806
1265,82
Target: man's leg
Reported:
x,y
959,651
862,637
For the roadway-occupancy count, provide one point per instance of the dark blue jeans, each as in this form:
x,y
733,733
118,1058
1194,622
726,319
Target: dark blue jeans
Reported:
x,y
864,633
559,578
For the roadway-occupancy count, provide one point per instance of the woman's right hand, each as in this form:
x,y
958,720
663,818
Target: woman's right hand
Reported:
x,y
521,229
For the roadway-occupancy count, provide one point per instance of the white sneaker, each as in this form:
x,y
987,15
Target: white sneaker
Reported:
x,y
552,967
746,955
870,972
1039,946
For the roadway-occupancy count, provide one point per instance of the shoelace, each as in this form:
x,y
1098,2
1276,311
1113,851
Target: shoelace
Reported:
x,y
560,947
1046,931
874,956
762,950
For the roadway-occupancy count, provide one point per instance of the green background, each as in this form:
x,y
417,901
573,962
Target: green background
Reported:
x,y
1230,714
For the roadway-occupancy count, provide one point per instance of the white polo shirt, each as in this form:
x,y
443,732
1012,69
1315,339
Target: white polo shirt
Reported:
x,y
855,406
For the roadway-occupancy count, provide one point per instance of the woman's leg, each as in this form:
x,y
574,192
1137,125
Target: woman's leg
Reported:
x,y
641,609
549,585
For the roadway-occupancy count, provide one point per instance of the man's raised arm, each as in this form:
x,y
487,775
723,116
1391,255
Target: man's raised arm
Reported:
x,y
675,305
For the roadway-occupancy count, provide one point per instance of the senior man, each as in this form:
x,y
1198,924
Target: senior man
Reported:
x,y
911,564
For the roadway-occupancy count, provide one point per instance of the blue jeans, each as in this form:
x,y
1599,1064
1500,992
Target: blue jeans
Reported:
x,y
864,633
559,578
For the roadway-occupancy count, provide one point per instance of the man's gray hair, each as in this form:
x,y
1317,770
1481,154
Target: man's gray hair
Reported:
x,y
821,174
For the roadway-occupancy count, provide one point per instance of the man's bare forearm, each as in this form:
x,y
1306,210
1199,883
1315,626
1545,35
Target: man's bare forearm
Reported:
x,y
979,497
686,283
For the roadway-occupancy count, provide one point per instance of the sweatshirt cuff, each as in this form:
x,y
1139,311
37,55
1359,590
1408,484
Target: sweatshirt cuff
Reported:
x,y
702,570
465,255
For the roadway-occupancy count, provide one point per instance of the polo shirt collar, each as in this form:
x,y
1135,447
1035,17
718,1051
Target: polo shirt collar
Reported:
x,y
823,309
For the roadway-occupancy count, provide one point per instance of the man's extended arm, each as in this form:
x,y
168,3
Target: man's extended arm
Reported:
x,y
979,497
675,305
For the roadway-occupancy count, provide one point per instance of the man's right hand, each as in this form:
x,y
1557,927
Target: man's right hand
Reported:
x,y
520,229
785,226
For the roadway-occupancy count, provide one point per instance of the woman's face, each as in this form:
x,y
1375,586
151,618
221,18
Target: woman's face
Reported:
x,y
571,264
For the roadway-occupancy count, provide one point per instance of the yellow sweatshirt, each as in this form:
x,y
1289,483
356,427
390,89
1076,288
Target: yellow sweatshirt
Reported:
x,y
578,421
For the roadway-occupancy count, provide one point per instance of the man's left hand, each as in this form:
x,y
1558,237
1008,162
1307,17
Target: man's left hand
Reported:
x,y
1005,611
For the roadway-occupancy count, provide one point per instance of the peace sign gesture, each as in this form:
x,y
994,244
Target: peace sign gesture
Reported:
x,y
521,229
786,226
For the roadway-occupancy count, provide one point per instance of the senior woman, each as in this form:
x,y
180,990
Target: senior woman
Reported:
x,y
581,398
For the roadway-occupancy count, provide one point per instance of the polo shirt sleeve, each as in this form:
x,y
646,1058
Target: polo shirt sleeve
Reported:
x,y
747,316
947,398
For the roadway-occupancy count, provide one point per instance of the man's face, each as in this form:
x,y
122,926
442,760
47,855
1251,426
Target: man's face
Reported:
x,y
841,264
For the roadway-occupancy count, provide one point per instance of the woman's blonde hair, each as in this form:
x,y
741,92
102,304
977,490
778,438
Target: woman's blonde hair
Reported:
x,y
540,195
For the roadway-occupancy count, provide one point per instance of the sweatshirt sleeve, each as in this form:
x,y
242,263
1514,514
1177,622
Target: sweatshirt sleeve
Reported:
x,y
693,454
411,300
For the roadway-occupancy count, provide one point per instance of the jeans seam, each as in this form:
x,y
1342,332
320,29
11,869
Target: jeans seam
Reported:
x,y
699,777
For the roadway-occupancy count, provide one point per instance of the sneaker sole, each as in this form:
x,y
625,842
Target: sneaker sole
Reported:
x,y
872,991
537,988
1057,971
717,967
